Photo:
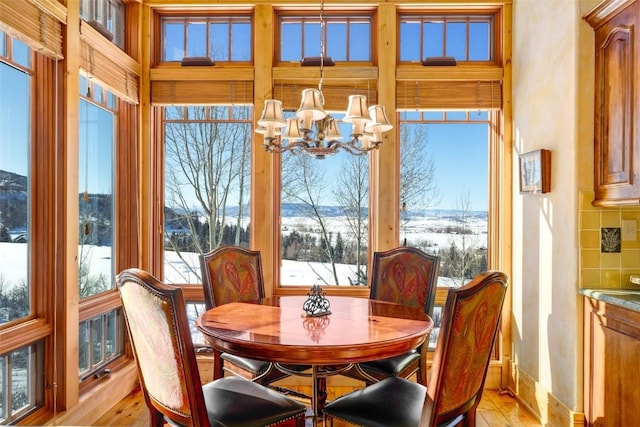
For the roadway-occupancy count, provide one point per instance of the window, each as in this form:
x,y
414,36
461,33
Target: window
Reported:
x,y
444,211
21,383
207,176
466,38
15,175
100,342
324,219
21,388
107,17
96,171
101,337
444,191
347,38
221,38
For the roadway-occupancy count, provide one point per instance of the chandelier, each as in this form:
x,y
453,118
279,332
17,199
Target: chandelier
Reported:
x,y
315,132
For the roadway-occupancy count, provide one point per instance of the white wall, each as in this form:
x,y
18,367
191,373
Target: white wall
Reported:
x,y
552,109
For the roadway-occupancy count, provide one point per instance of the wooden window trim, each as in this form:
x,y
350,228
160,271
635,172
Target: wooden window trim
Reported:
x,y
330,13
468,12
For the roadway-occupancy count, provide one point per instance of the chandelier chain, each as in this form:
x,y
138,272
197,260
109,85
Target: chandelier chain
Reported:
x,y
322,24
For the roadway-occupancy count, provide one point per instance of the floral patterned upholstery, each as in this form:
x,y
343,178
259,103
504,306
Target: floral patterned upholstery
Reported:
x,y
405,276
473,323
231,273
154,336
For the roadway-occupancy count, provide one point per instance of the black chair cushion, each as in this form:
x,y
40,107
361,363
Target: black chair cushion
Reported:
x,y
256,367
234,401
391,366
393,402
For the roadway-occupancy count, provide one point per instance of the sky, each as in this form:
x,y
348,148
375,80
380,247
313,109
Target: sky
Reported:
x,y
459,151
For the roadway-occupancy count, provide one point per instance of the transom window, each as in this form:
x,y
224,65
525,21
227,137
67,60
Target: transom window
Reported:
x,y
347,38
221,38
465,38
107,17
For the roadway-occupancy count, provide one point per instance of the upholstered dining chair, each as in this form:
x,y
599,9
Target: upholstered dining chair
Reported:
x,y
470,324
232,274
161,340
408,276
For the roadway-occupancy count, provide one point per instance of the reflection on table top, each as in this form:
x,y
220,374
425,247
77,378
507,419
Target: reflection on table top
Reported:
x,y
275,329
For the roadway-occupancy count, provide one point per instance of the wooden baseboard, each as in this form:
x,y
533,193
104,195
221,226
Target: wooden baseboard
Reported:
x,y
101,398
543,405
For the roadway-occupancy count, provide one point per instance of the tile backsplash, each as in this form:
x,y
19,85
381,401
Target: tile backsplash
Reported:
x,y
607,260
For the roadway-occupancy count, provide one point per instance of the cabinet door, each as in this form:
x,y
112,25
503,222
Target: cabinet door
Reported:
x,y
622,376
617,141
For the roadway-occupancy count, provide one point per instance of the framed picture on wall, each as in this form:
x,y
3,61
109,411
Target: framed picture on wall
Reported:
x,y
535,172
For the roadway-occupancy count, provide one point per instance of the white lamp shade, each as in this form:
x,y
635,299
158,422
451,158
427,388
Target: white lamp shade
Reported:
x,y
311,106
272,114
332,132
293,129
357,109
379,121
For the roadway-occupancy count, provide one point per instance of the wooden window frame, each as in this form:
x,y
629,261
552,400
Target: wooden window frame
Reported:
x,y
331,15
493,14
206,17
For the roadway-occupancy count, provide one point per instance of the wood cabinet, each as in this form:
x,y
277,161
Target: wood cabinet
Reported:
x,y
617,102
611,359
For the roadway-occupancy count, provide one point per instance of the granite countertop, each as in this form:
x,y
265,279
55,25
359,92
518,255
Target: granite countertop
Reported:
x,y
626,298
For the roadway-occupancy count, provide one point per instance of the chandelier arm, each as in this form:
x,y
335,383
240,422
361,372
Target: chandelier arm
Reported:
x,y
290,146
352,148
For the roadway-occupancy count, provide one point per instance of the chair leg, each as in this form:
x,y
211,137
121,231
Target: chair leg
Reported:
x,y
470,418
155,418
218,371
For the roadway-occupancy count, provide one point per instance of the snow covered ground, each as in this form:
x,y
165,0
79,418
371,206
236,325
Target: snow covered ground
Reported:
x,y
428,228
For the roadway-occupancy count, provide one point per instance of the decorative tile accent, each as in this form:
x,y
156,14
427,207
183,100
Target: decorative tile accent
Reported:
x,y
610,240
606,262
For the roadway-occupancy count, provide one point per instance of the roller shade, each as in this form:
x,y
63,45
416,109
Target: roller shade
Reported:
x,y
336,94
449,94
105,62
35,27
201,92
103,67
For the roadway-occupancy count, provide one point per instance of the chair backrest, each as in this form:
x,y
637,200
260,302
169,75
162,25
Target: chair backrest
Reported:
x,y
230,274
470,324
405,275
156,319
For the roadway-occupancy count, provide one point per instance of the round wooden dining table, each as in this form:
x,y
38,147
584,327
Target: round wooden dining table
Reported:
x,y
278,330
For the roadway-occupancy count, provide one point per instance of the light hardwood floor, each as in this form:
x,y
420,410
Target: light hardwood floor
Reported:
x,y
495,410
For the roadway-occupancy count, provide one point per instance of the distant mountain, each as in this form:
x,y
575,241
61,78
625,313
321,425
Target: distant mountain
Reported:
x,y
12,182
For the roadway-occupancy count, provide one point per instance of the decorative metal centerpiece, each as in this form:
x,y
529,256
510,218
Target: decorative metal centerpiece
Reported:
x,y
317,304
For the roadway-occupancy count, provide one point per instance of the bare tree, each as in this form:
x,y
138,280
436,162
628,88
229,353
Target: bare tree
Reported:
x,y
464,258
352,194
206,164
304,184
418,186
